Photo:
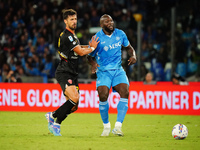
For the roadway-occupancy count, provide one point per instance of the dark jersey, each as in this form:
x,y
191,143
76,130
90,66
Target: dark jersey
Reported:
x,y
69,59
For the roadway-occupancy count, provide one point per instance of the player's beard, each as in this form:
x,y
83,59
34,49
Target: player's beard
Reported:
x,y
109,30
73,27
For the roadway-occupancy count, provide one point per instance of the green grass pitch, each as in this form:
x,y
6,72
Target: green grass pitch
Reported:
x,y
28,131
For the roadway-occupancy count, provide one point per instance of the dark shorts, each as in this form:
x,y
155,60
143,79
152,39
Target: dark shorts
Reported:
x,y
66,79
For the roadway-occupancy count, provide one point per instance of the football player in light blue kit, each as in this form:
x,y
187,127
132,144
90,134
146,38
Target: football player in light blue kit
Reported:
x,y
110,72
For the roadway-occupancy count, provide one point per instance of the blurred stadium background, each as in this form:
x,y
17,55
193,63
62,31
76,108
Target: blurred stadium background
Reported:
x,y
169,42
29,30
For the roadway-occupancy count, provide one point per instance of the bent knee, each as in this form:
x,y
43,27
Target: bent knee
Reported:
x,y
127,94
75,98
103,97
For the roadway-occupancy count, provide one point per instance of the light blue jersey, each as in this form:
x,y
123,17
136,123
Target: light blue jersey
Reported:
x,y
108,52
110,73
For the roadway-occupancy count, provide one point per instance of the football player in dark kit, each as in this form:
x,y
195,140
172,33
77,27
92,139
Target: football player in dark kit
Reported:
x,y
69,50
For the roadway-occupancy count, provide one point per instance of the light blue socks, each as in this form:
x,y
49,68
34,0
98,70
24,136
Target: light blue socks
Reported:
x,y
122,108
103,109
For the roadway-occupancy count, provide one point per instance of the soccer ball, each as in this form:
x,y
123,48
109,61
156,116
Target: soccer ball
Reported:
x,y
180,131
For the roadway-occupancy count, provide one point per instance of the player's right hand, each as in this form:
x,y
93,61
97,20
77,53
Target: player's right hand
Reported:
x,y
94,42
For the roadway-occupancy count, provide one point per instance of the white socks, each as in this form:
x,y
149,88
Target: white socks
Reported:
x,y
118,125
107,125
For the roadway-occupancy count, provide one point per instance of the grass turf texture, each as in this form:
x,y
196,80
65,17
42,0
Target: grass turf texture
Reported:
x,y
28,131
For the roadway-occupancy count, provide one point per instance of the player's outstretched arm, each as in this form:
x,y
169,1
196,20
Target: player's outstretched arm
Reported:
x,y
84,46
84,51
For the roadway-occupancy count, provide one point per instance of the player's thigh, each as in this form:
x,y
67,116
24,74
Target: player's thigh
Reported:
x,y
103,92
72,93
122,89
121,84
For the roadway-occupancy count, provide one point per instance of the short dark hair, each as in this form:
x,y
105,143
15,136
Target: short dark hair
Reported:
x,y
68,12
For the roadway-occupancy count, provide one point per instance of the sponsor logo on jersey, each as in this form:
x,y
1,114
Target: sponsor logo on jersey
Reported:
x,y
112,46
103,42
117,38
74,43
115,45
106,48
70,38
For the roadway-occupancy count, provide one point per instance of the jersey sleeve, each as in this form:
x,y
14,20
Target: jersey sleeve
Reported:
x,y
125,39
70,41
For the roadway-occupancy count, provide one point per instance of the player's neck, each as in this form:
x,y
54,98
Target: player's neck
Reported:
x,y
72,31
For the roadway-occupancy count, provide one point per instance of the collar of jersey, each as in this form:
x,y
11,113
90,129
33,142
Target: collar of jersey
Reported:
x,y
69,30
102,33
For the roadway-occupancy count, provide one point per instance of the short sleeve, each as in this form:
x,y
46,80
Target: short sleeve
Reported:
x,y
70,41
125,42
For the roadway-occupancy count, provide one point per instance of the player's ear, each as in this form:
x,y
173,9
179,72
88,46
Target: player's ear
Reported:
x,y
101,25
101,22
65,21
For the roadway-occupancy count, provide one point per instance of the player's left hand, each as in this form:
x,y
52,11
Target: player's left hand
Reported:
x,y
94,67
132,60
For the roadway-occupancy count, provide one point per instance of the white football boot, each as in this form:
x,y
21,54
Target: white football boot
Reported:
x,y
117,130
106,129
